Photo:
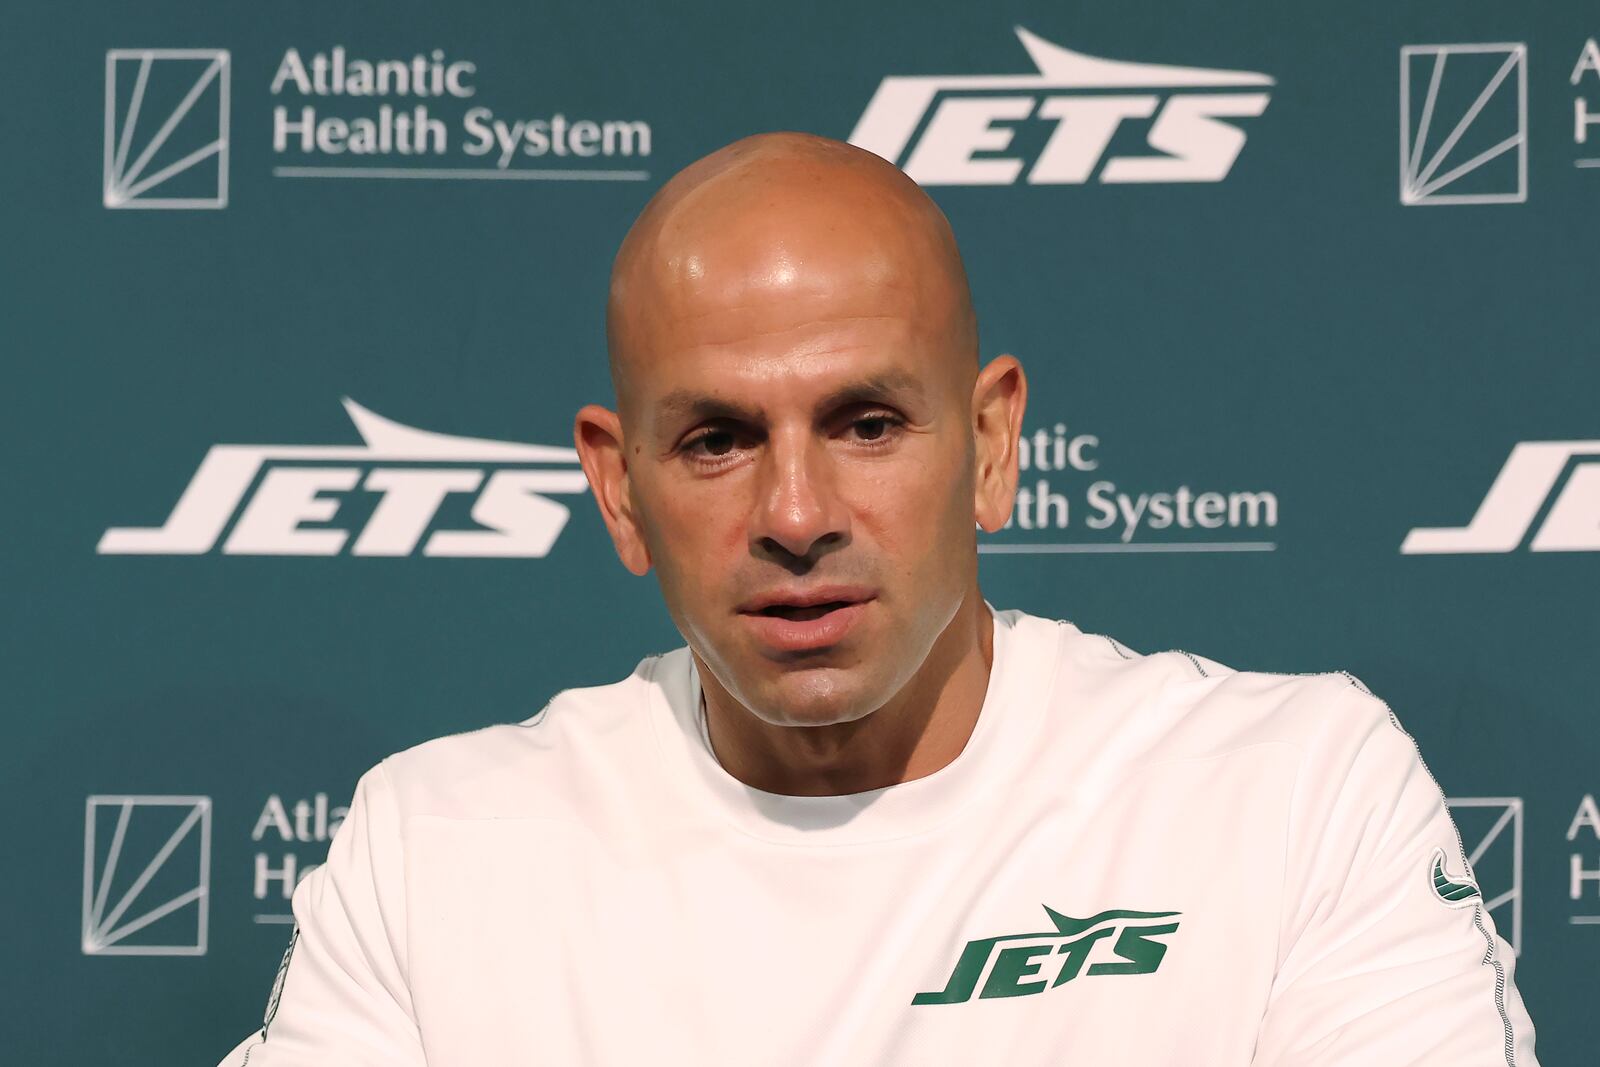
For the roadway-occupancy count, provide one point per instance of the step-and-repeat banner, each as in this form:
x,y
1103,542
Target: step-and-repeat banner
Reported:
x,y
300,299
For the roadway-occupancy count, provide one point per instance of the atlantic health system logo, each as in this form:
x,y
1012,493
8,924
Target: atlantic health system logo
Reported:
x,y
275,490
1071,499
146,875
969,123
166,131
1463,124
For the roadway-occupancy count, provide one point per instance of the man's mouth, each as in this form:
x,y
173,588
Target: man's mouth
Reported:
x,y
805,620
803,612
804,604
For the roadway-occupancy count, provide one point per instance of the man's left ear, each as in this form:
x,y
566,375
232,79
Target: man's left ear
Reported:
x,y
998,399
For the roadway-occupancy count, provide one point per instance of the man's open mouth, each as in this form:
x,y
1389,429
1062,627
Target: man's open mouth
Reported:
x,y
803,612
805,619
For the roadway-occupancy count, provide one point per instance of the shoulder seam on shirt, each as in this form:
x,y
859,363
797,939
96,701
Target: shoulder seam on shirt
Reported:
x,y
1127,654
1191,658
537,717
542,714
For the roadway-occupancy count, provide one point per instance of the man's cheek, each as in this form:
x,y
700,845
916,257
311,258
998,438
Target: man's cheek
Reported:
x,y
921,511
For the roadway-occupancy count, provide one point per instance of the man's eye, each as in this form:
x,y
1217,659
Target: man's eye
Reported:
x,y
714,443
873,427
717,444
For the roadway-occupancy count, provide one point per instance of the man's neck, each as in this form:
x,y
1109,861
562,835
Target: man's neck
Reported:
x,y
922,729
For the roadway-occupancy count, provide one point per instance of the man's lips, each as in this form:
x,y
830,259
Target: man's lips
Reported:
x,y
805,620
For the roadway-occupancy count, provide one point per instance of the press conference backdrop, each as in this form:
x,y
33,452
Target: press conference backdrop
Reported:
x,y
300,299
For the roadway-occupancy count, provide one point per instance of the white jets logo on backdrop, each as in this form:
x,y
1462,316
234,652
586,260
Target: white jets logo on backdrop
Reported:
x,y
967,139
275,489
1528,479
162,152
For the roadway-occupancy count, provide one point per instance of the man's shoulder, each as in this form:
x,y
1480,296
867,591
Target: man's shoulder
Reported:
x,y
1198,705
1320,744
580,736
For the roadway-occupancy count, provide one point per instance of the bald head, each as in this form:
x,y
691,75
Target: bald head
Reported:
x,y
783,231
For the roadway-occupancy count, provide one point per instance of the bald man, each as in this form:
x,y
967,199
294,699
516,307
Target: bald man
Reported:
x,y
863,817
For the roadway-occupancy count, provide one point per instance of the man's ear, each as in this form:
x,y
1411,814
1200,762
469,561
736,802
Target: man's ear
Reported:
x,y
998,400
597,432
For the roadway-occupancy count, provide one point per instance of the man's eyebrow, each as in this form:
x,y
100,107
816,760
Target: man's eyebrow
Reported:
x,y
686,405
889,387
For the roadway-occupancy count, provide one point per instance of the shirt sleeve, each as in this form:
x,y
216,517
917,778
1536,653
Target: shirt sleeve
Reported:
x,y
1387,952
341,995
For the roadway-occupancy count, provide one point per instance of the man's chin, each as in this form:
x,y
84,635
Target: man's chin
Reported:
x,y
815,697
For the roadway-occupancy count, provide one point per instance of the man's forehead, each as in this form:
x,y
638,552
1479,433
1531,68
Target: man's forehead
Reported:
x,y
774,275
781,302
711,383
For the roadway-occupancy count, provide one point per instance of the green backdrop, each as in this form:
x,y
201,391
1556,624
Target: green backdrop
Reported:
x,y
1290,281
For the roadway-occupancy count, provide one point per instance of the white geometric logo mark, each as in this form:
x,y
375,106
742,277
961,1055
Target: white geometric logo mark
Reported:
x,y
1491,834
166,125
1432,150
176,860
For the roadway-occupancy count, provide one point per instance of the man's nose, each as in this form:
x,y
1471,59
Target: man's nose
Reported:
x,y
798,507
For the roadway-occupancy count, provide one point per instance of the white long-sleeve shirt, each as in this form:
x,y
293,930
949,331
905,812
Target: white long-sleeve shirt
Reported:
x,y
1136,859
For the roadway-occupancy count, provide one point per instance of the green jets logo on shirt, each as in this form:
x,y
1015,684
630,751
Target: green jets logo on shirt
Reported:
x,y
1017,965
1457,892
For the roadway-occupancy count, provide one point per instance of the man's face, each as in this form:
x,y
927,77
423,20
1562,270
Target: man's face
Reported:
x,y
800,460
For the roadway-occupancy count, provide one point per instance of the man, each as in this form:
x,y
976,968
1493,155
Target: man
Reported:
x,y
863,818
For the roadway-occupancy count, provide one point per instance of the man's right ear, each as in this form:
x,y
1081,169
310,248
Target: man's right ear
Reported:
x,y
597,432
